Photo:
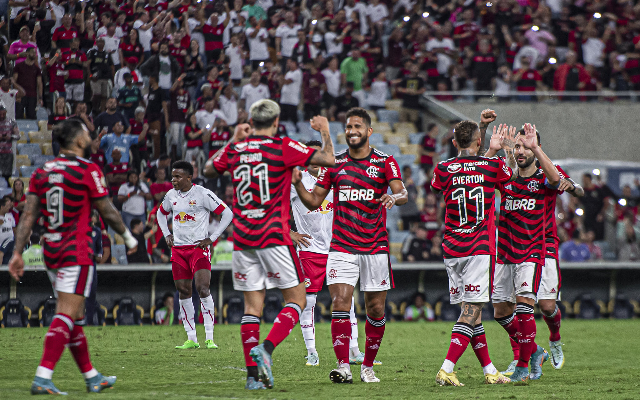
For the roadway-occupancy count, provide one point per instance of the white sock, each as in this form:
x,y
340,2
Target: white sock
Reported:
x,y
90,374
45,373
188,318
447,366
307,323
207,307
489,369
353,343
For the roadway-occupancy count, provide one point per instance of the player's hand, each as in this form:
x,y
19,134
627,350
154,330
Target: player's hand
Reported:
x,y
169,240
16,266
242,132
496,139
387,201
204,243
319,123
300,239
296,176
530,140
509,136
566,186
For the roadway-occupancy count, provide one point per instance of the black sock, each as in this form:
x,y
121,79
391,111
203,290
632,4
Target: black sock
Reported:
x,y
252,372
268,346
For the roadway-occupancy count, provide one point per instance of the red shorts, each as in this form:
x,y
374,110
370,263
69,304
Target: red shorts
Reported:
x,y
186,260
314,266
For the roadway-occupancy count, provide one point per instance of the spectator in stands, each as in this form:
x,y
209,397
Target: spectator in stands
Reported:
x,y
575,250
81,113
253,91
354,69
42,28
117,139
132,195
130,47
18,196
594,248
157,113
228,102
116,174
139,255
419,248
411,88
344,103
465,33
97,155
258,39
160,187
409,213
75,62
18,49
378,91
129,97
444,49
28,75
112,44
430,215
164,315
570,76
163,162
60,112
290,94
64,34
436,248
527,80
313,84
138,124
164,66
194,138
128,66
107,119
194,68
8,133
419,310
9,95
178,109
428,154
286,37
593,205
628,246
485,67
57,77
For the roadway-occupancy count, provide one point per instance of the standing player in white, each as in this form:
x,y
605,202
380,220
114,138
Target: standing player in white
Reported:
x,y
190,256
313,238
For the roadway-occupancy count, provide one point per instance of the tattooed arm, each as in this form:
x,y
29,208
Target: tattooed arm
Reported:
x,y
486,118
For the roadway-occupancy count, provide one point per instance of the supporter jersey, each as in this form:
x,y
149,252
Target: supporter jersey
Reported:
x,y
176,52
316,223
76,70
260,168
63,37
130,50
521,225
56,77
527,82
66,187
550,229
468,186
212,37
191,213
360,225
136,129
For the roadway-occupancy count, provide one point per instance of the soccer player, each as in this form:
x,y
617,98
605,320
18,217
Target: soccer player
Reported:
x,y
359,244
312,239
521,245
191,255
264,256
468,184
63,191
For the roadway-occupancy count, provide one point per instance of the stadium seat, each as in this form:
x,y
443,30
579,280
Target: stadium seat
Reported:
x,y
336,128
42,114
389,149
23,138
446,311
27,125
100,316
15,315
27,171
22,160
3,183
39,137
390,116
411,149
341,139
39,161
398,140
30,149
43,126
585,307
233,310
416,138
395,249
47,311
393,105
126,312
119,254
372,114
406,128
272,307
376,139
381,127
47,149
406,159
622,308
398,237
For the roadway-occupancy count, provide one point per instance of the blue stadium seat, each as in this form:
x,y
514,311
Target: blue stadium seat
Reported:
x,y
3,183
5,192
398,236
26,171
29,149
26,125
405,159
585,307
272,307
14,314
291,127
376,139
233,310
390,149
622,308
126,312
42,114
119,252
340,147
416,138
336,128
39,161
390,116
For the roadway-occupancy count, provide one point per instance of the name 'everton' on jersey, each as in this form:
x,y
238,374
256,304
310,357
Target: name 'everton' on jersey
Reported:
x,y
521,225
261,168
468,186
359,219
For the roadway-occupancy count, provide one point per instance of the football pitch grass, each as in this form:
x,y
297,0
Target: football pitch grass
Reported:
x,y
602,362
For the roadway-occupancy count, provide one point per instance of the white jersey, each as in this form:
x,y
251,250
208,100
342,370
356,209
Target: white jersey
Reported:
x,y
7,223
191,213
318,223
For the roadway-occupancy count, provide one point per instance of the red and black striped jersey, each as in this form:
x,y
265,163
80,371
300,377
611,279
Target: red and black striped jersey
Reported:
x,y
359,219
66,186
212,37
468,185
261,168
551,230
521,225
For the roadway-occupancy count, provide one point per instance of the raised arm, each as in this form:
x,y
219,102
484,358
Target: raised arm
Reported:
x,y
241,132
312,200
486,118
530,141
27,219
325,157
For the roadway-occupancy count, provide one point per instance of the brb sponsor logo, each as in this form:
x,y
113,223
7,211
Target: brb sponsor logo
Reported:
x,y
520,204
355,194
472,288
183,217
240,277
273,276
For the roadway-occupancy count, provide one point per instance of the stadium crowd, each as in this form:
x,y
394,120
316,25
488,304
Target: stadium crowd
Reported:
x,y
160,81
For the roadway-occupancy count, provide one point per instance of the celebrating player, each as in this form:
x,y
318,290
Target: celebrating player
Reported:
x,y
359,245
313,238
264,255
468,184
63,191
521,245
191,256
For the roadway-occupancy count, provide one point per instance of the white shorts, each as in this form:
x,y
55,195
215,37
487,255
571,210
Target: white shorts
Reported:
x,y
469,278
75,91
511,280
176,134
72,280
550,282
374,270
273,267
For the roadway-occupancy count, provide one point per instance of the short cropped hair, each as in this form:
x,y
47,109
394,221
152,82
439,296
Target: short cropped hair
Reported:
x,y
183,165
465,132
263,113
65,132
359,112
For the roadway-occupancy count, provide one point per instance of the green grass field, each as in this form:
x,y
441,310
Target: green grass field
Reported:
x,y
601,362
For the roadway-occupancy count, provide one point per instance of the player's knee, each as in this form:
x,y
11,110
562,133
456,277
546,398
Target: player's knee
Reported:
x,y
375,310
340,304
204,292
547,308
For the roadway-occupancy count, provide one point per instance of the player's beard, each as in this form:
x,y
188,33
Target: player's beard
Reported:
x,y
528,161
359,144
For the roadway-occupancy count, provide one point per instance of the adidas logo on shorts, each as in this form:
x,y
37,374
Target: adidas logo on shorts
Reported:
x,y
553,290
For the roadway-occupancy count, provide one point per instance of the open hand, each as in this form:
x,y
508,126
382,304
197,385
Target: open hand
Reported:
x,y
530,140
300,239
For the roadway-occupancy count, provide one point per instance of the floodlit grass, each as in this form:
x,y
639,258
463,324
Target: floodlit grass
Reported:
x,y
601,363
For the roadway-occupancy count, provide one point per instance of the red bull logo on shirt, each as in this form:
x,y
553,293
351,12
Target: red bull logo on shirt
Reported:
x,y
325,208
183,217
